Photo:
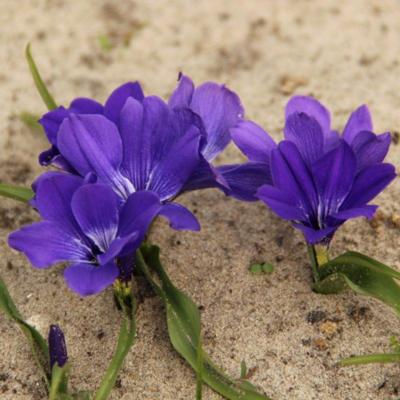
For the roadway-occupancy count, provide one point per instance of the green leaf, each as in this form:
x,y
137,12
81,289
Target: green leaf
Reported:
x,y
37,342
264,268
16,192
30,120
59,382
39,83
126,340
362,274
183,320
371,358
243,370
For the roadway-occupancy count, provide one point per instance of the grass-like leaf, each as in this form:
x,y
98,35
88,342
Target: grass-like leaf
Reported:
x,y
37,342
19,193
183,320
39,83
59,382
362,274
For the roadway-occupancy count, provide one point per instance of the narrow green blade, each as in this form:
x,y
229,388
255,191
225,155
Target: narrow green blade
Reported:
x,y
39,83
183,320
16,192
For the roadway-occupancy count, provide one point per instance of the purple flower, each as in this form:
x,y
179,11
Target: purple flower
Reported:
x,y
319,178
219,110
52,120
87,226
155,141
57,347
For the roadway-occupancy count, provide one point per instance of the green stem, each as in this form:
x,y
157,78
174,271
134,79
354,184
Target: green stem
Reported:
x,y
371,358
314,262
126,339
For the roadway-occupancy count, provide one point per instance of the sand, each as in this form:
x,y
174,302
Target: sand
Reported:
x,y
345,53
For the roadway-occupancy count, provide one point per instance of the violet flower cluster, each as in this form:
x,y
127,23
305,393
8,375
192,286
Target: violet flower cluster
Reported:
x,y
121,165
318,179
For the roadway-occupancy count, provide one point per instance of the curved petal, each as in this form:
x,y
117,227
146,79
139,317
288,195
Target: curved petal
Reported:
x,y
46,243
306,133
220,109
243,180
170,174
54,192
366,211
51,122
95,207
182,95
86,279
253,141
91,143
370,148
118,97
368,184
138,213
282,203
333,176
136,140
291,175
120,247
205,176
359,120
313,108
180,218
84,105
314,236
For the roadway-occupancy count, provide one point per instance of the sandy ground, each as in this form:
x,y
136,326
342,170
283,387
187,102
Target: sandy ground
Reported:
x,y
345,53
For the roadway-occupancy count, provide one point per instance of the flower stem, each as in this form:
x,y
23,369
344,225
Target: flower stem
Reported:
x,y
371,358
126,339
314,262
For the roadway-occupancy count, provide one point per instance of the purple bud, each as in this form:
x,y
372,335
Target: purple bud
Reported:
x,y
57,347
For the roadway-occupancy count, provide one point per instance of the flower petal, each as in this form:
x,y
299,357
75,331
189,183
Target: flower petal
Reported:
x,y
182,95
282,203
368,184
170,174
333,176
120,247
180,217
291,175
243,180
86,279
91,143
51,122
46,243
95,207
306,133
366,211
205,176
138,213
54,192
253,141
118,97
360,120
313,108
83,105
220,109
136,142
314,236
370,148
